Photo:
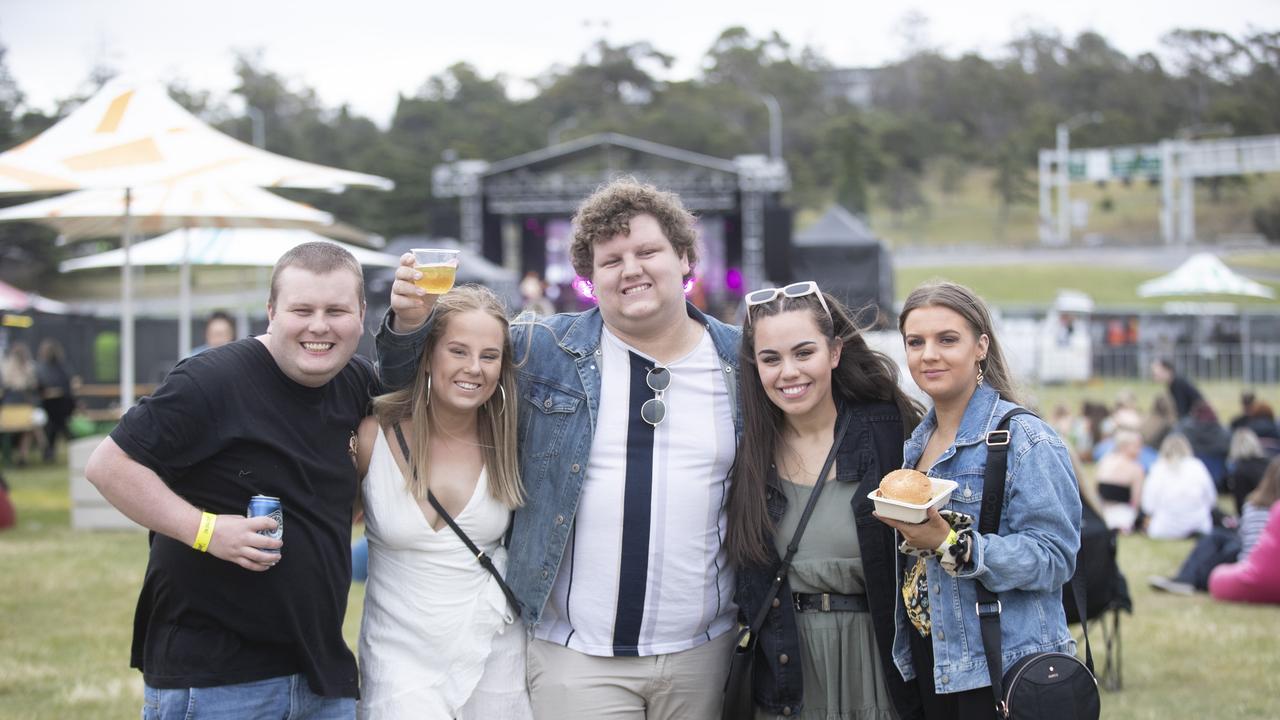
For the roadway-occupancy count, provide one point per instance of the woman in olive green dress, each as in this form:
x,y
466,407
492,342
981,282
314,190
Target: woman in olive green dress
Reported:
x,y
824,651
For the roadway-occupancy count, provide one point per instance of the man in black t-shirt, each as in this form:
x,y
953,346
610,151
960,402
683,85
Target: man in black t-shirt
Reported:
x,y
230,620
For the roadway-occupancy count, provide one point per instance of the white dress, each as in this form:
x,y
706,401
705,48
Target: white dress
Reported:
x,y
438,640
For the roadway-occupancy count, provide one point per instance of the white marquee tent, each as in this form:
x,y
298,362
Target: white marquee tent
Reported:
x,y
1203,274
131,135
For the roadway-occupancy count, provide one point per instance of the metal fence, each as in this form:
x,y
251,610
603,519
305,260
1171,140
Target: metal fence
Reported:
x,y
1042,349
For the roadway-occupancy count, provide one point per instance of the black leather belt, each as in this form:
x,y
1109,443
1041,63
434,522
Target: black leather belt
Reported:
x,y
829,602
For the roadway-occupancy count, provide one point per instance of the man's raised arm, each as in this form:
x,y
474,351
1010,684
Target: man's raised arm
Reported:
x,y
403,330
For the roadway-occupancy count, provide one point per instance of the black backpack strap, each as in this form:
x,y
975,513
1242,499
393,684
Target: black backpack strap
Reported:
x,y
988,605
780,575
485,561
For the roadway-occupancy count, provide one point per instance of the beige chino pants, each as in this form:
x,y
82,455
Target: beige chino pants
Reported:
x,y
565,684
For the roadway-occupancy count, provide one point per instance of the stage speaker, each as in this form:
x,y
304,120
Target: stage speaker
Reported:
x,y
491,245
777,245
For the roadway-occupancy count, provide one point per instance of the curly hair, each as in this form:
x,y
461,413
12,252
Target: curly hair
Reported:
x,y
608,212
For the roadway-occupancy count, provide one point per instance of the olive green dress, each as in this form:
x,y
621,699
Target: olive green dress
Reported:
x,y
843,676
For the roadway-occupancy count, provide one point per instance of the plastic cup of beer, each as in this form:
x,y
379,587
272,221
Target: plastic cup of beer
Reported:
x,y
438,267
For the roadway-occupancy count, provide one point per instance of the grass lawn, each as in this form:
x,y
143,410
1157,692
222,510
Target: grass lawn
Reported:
x,y
1036,285
968,212
67,602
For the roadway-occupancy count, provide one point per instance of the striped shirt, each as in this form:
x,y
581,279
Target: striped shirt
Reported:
x,y
1252,520
645,571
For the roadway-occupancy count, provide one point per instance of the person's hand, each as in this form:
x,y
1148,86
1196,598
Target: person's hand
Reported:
x,y
411,303
236,540
925,535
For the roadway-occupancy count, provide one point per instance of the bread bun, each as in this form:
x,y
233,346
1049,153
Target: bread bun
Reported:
x,y
908,486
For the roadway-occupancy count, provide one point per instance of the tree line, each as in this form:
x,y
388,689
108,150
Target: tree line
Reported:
x,y
927,112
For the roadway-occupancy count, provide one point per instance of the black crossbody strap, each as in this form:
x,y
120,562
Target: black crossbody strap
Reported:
x,y
780,574
485,561
993,482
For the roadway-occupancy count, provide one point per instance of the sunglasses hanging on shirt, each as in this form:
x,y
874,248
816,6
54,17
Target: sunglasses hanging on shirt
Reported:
x,y
654,411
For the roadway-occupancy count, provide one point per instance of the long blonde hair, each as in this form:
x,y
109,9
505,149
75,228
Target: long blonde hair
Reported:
x,y
19,370
497,416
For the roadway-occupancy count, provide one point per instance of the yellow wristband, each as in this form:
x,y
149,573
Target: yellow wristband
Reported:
x,y
205,534
952,538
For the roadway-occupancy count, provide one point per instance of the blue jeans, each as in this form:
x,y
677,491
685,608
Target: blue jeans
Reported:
x,y
360,559
279,698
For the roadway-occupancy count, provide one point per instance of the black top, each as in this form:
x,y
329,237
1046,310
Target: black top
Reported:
x,y
225,425
53,377
1184,395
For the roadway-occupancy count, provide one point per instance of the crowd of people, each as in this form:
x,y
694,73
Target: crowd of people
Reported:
x,y
574,515
37,401
1161,473
38,393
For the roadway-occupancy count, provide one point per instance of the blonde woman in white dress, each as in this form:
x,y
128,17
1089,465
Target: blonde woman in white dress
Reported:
x,y
439,638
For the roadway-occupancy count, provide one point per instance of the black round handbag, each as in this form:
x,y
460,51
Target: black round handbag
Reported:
x,y
1051,685
1041,686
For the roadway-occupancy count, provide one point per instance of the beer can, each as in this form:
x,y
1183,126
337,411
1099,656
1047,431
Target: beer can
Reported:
x,y
260,505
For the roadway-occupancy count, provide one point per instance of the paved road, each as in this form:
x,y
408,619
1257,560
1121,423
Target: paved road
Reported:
x,y
1152,258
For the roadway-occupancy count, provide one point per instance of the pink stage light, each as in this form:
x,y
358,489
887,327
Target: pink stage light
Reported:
x,y
585,290
733,279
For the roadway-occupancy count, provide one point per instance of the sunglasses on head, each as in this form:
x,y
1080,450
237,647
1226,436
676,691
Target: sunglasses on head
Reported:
x,y
794,290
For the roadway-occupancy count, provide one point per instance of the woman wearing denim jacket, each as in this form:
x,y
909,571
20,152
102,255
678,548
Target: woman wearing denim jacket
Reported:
x,y
954,357
825,649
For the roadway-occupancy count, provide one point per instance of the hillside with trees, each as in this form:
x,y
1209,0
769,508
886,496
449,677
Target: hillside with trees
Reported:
x,y
905,143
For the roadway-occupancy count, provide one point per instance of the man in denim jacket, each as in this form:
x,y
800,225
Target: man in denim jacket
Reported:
x,y
628,424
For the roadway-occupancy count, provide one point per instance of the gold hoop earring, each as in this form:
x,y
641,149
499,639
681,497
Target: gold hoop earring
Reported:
x,y
427,401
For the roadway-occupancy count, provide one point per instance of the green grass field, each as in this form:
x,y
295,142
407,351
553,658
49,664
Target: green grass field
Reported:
x,y
1118,213
1036,285
67,598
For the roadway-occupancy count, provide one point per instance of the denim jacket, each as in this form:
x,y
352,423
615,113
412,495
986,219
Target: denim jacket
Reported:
x,y
871,447
558,385
1026,563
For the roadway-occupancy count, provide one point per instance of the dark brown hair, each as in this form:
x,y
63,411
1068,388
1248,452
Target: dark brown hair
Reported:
x,y
1268,490
862,376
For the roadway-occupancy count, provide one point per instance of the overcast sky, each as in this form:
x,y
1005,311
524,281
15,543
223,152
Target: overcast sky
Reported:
x,y
364,52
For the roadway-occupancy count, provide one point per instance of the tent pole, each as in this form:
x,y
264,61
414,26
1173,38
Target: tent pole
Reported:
x,y
184,296
126,309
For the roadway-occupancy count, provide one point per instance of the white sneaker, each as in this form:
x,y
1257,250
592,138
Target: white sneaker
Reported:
x,y
1170,585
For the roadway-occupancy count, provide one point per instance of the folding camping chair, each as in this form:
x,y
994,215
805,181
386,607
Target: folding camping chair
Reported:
x,y
1106,590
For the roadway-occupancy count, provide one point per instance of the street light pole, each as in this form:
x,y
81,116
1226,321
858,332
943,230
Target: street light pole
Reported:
x,y
259,122
775,125
1064,180
1064,174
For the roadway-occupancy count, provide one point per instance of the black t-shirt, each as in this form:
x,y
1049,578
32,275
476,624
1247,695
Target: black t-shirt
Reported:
x,y
225,425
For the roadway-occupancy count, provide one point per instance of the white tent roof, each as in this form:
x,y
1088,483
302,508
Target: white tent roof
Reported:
x,y
132,134
161,208
252,247
1203,274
